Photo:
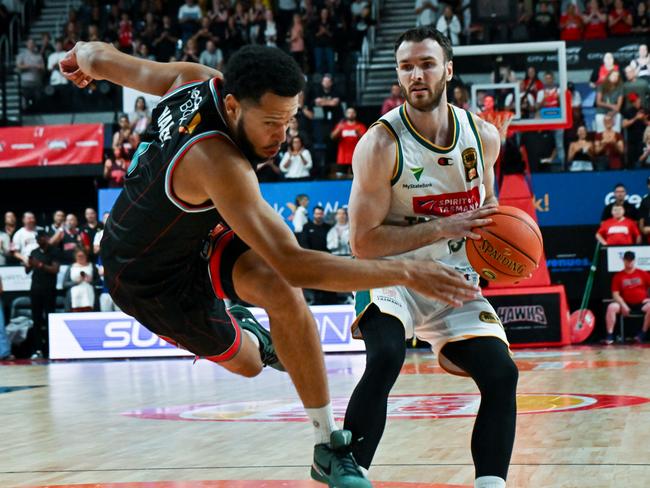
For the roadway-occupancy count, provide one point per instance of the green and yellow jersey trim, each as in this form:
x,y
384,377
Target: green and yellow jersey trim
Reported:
x,y
423,140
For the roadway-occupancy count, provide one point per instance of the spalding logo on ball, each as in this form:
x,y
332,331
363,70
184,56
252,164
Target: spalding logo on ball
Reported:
x,y
510,247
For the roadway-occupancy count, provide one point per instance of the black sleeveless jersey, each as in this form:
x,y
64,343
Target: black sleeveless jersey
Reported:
x,y
152,237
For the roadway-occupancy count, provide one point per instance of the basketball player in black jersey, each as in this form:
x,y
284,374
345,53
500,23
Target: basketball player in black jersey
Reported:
x,y
191,228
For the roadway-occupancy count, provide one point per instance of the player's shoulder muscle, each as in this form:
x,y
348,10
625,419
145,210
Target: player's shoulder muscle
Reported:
x,y
375,156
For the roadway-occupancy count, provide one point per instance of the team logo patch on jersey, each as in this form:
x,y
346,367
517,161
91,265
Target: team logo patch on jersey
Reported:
x,y
445,161
417,172
470,162
488,318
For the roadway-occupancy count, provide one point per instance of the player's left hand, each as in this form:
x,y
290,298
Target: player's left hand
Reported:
x,y
461,225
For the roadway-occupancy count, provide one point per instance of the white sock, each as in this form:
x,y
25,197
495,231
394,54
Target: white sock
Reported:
x,y
253,337
489,482
322,419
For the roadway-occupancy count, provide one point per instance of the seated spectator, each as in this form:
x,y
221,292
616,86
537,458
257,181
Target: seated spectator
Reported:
x,y
619,20
24,241
347,132
581,152
140,117
189,17
115,169
634,85
595,21
645,155
635,121
296,162
642,63
203,35
571,24
576,104
531,83
600,74
31,67
610,144
71,239
549,98
292,131
630,293
338,237
125,138
236,36
212,56
394,100
165,43
92,34
79,282
620,198
619,230
190,52
144,53
56,78
449,25
148,31
609,101
426,12
641,19
323,32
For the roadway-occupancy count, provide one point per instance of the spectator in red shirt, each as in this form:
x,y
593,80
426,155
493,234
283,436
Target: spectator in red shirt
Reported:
x,y
115,168
395,99
595,21
571,24
619,230
619,20
630,293
348,132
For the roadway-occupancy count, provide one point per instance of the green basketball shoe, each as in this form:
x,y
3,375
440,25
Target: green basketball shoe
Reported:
x,y
247,321
335,465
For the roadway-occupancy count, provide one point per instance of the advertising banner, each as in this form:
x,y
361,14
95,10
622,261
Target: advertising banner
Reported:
x,y
51,145
615,257
116,335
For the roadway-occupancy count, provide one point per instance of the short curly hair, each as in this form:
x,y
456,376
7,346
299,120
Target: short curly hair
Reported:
x,y
255,70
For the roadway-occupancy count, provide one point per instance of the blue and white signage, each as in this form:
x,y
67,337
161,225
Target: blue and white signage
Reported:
x,y
116,335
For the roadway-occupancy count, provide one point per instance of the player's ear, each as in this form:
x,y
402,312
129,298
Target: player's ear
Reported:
x,y
450,70
233,107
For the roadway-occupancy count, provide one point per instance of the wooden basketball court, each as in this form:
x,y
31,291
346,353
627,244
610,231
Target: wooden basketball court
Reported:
x,y
584,422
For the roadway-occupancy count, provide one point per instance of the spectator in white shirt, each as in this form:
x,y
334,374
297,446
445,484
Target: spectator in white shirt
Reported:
x,y
426,12
449,25
211,56
56,78
338,237
297,161
24,240
189,18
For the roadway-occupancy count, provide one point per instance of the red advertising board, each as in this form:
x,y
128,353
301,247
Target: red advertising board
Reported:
x,y
51,145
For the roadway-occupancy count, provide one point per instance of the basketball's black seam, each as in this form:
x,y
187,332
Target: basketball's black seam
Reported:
x,y
510,244
481,256
539,236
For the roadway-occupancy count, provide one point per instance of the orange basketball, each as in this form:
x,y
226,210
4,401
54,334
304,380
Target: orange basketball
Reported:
x,y
510,248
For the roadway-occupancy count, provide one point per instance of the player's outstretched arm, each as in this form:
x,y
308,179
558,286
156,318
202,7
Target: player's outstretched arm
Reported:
x,y
243,207
88,61
373,164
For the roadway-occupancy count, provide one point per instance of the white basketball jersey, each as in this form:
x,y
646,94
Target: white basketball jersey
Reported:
x,y
432,181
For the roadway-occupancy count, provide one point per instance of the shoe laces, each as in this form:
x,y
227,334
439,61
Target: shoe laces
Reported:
x,y
347,462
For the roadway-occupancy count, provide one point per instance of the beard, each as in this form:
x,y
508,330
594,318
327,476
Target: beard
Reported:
x,y
429,103
246,146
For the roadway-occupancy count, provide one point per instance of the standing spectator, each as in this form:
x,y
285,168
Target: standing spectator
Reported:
x,y
642,63
360,28
190,52
609,144
549,98
630,293
56,78
347,132
338,237
581,152
220,14
571,24
449,25
89,231
256,15
6,235
71,36
641,20
595,21
212,56
600,74
115,169
149,31
327,111
165,44
189,17
394,100
356,7
620,198
531,84
286,9
635,121
299,216
619,20
324,42
426,12
461,98
97,240
125,33
297,40
203,35
270,29
609,101
55,229
5,345
23,241
544,23
645,156
296,162
140,117
46,47
71,238
5,247
44,262
80,281
634,85
268,171
619,230
9,226
644,213
143,52
314,236
125,138
31,67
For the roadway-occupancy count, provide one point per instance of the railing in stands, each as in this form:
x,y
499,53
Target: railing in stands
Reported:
x,y
5,62
367,46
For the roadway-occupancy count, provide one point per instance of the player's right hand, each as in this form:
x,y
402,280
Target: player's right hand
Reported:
x,y
460,225
440,282
69,68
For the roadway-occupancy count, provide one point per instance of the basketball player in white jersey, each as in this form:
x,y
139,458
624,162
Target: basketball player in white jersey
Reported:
x,y
423,179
